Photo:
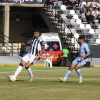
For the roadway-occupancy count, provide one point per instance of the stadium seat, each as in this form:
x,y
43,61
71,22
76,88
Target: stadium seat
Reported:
x,y
75,17
85,31
78,12
63,7
88,26
78,21
92,41
98,41
72,12
98,27
66,12
97,31
60,3
76,35
91,31
95,36
66,21
82,26
63,16
72,21
73,31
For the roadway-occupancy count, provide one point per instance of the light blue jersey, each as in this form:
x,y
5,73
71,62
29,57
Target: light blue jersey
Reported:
x,y
84,48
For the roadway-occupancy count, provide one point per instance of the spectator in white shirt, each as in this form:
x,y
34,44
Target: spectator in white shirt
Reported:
x,y
95,5
95,13
98,4
81,4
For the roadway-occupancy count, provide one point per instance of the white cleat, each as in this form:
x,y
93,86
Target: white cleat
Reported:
x,y
31,79
80,80
11,78
62,79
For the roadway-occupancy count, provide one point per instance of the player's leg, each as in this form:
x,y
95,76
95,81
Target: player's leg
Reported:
x,y
69,70
24,60
27,66
77,68
19,69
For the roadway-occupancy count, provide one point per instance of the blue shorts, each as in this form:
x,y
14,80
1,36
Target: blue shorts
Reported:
x,y
77,60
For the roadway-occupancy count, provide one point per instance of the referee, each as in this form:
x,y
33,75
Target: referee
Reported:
x,y
36,43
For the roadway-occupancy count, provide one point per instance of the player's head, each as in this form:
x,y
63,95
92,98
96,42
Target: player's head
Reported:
x,y
81,39
37,33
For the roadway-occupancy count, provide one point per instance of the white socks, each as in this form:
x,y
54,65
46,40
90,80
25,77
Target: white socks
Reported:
x,y
19,69
29,71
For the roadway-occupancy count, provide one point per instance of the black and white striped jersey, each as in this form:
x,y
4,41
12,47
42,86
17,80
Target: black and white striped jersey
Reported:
x,y
36,44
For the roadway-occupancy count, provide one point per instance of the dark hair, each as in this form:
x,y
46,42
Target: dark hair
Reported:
x,y
37,30
81,37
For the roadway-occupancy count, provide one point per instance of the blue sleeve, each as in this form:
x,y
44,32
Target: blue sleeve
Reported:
x,y
87,48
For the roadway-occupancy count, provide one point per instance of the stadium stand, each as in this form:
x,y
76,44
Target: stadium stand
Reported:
x,y
71,25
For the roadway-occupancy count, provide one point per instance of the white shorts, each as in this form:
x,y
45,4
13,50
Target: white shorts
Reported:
x,y
29,58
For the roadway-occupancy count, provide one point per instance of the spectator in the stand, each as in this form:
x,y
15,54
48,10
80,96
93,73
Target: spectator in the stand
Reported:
x,y
95,13
94,4
98,4
90,18
81,4
70,4
99,18
83,9
90,8
76,5
50,2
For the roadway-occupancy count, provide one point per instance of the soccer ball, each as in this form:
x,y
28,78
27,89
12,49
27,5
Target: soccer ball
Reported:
x,y
12,78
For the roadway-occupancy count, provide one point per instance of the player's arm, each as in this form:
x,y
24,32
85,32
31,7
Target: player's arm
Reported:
x,y
27,43
87,54
42,49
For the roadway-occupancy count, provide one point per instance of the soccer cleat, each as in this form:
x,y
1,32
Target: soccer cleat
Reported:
x,y
80,80
11,78
62,79
31,79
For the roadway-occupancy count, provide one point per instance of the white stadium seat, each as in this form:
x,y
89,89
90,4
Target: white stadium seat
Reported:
x,y
82,26
63,7
76,17
72,12
78,21
91,31
98,41
76,35
97,31
88,26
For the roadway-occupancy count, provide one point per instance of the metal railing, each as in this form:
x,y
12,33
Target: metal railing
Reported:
x,y
8,47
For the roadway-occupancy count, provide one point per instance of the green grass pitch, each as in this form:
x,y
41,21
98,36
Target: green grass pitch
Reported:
x,y
46,85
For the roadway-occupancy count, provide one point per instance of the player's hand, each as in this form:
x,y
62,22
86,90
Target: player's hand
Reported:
x,y
23,44
82,58
37,58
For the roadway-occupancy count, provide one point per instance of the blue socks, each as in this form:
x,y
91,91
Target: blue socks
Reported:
x,y
79,73
67,74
